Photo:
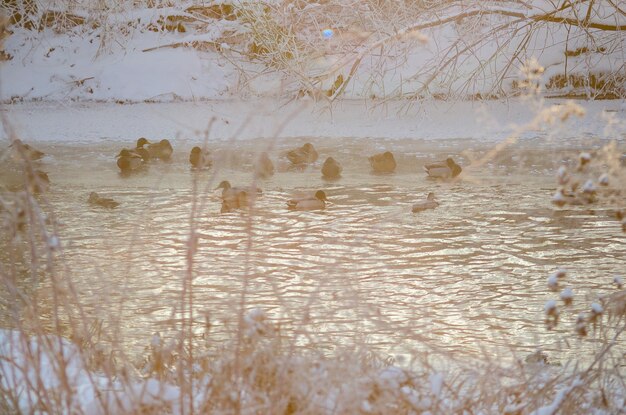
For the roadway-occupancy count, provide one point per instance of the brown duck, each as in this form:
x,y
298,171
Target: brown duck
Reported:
x,y
331,169
200,159
383,162
303,155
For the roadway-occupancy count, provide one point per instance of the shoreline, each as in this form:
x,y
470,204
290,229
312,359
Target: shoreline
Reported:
x,y
233,119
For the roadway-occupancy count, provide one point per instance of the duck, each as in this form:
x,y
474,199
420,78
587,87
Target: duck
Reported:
x,y
443,169
26,151
141,150
142,141
331,169
429,203
383,162
311,202
162,150
236,197
228,189
200,158
129,160
264,167
239,200
303,155
95,199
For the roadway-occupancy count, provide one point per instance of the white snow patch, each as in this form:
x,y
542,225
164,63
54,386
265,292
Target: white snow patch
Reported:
x,y
49,366
596,308
436,383
567,294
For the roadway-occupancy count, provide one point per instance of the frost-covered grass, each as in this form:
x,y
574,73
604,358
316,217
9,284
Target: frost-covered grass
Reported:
x,y
265,374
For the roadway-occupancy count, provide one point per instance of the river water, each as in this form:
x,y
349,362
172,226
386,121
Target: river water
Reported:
x,y
466,278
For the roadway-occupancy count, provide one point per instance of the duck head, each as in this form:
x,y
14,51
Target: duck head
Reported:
x,y
308,147
142,141
196,150
124,153
321,195
225,184
431,196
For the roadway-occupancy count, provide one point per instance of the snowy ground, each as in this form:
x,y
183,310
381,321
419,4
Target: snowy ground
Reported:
x,y
134,55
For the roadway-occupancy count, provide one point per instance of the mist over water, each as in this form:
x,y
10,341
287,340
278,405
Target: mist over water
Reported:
x,y
467,277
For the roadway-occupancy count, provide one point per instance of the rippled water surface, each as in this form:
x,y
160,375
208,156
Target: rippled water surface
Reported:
x,y
466,277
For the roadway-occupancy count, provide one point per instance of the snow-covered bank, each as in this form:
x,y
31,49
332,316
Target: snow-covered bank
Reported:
x,y
50,372
236,119
73,50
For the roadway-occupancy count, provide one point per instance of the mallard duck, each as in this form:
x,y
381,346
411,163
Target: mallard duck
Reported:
x,y
26,151
95,199
141,150
443,169
162,150
383,162
303,155
264,167
200,158
331,169
142,141
236,197
312,202
129,160
429,203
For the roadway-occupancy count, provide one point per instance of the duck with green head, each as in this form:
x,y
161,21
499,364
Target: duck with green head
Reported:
x,y
446,169
311,202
